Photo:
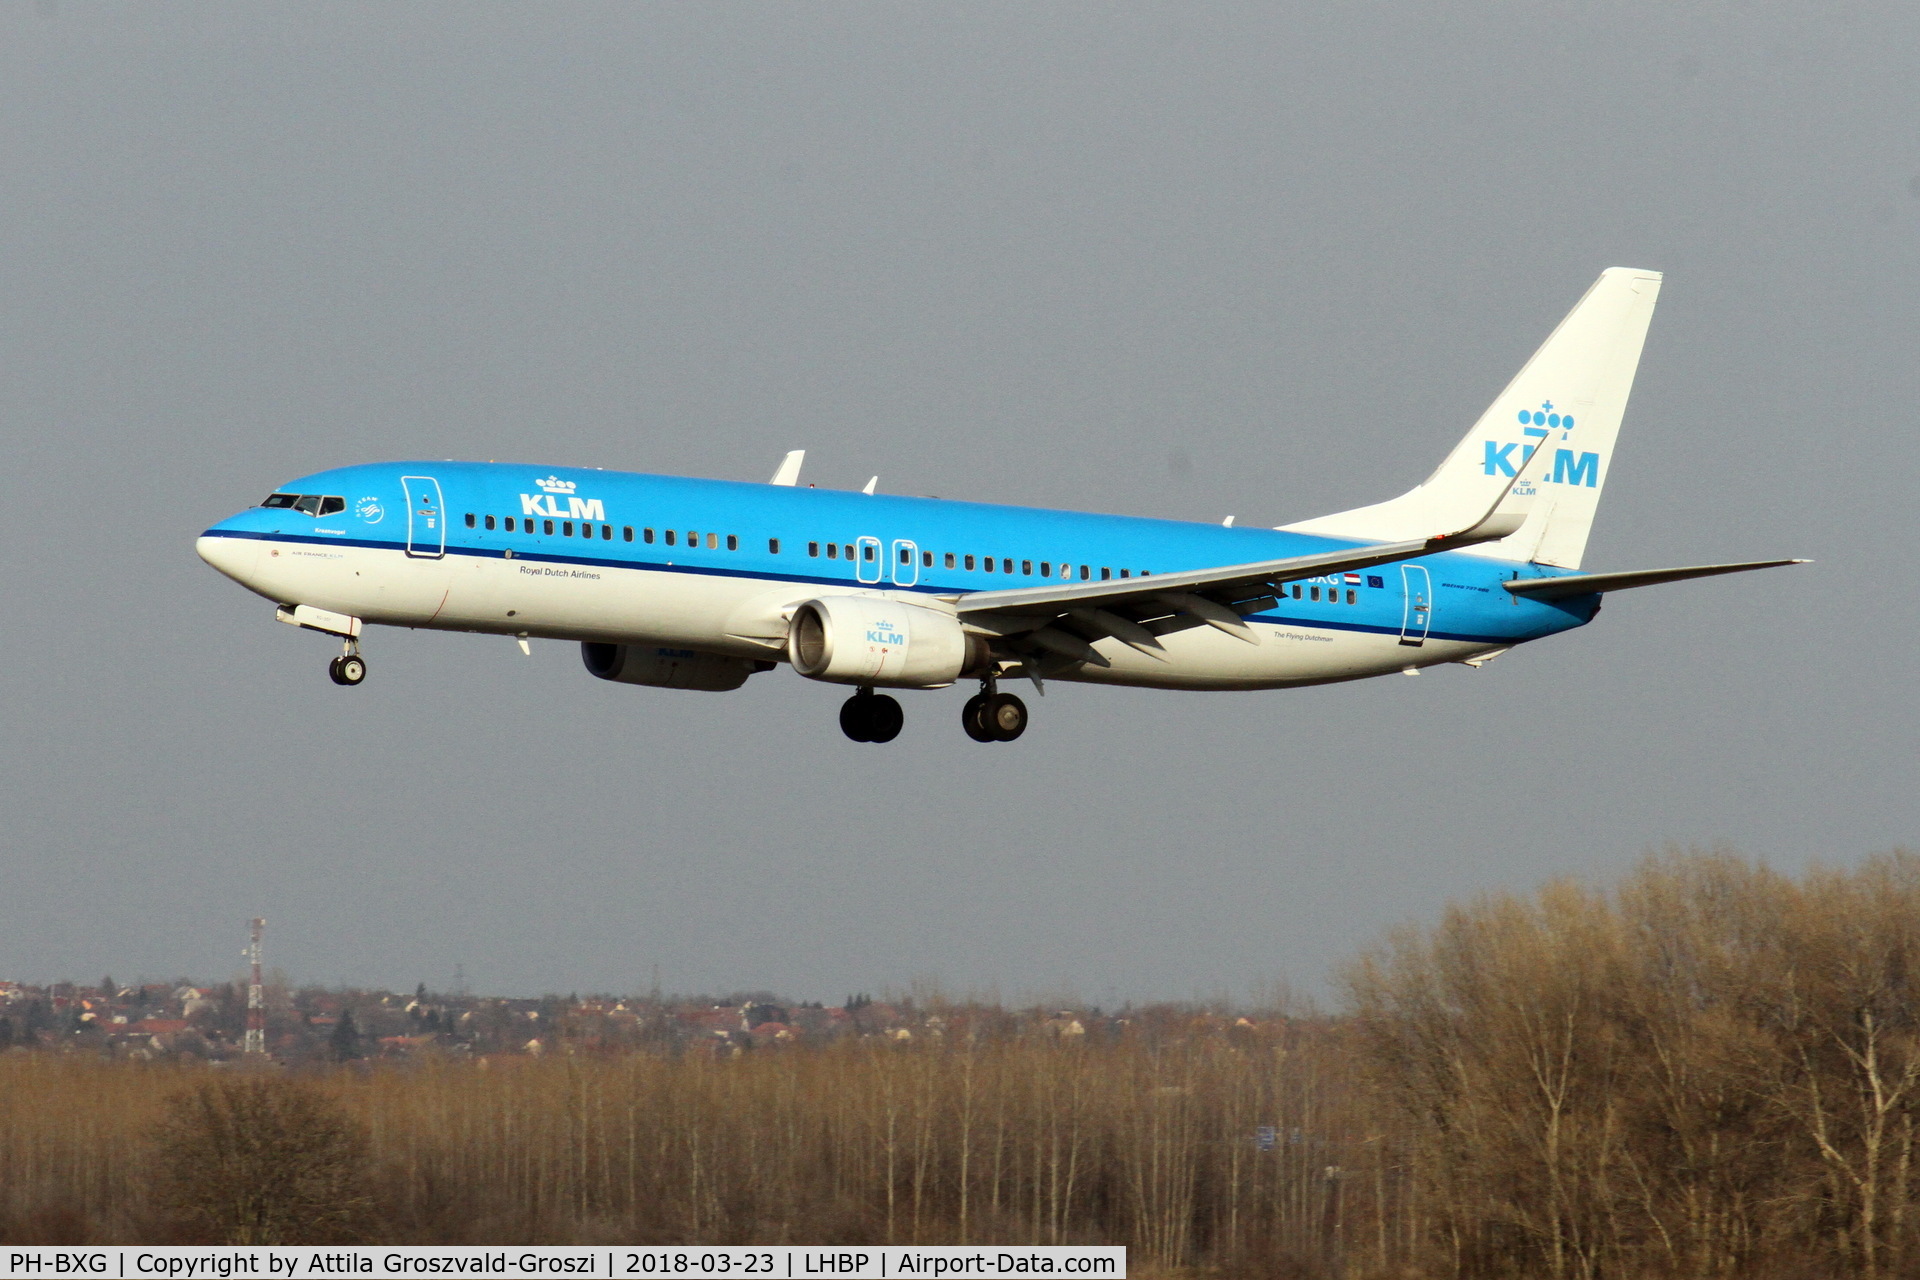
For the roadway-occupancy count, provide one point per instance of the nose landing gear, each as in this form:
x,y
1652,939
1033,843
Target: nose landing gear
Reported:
x,y
871,717
349,668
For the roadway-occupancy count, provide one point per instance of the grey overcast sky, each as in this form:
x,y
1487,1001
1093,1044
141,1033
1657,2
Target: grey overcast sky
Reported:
x,y
1182,260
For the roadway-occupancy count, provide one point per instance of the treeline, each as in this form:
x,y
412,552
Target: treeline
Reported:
x,y
1708,1071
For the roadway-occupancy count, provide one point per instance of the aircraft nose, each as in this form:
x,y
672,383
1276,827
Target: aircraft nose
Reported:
x,y
234,557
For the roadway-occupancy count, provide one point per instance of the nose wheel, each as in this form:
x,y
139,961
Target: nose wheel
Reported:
x,y
871,717
349,668
992,716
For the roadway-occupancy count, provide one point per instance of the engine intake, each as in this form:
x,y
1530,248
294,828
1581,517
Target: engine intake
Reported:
x,y
868,640
668,668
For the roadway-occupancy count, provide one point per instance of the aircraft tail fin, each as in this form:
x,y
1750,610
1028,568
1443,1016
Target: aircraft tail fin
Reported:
x,y
1569,398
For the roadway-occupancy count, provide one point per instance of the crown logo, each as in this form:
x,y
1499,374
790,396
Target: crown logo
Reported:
x,y
554,484
1544,416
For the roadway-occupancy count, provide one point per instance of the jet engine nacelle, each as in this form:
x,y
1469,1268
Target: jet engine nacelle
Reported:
x,y
868,640
668,668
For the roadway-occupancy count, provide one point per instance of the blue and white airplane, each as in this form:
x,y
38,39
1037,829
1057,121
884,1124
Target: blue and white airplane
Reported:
x,y
698,584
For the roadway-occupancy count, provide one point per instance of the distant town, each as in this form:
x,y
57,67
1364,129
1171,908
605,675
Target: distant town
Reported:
x,y
181,1019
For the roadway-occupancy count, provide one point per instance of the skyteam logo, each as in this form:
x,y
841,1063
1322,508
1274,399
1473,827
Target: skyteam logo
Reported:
x,y
546,504
1540,424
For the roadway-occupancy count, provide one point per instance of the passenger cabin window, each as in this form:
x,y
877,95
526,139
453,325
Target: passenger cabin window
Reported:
x,y
1105,573
713,542
1353,597
509,524
949,559
987,564
813,548
566,528
969,562
670,536
849,550
1046,568
1084,573
733,543
926,562
626,533
1313,593
1026,567
547,527
833,551
489,523
773,546
646,536
469,519
606,533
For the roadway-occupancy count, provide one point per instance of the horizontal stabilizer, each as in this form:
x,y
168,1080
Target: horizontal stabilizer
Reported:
x,y
1586,584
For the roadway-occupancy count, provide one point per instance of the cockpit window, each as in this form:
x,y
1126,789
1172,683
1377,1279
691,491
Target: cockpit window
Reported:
x,y
313,504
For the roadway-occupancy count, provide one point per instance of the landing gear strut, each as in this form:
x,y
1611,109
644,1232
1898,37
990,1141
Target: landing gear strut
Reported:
x,y
992,716
871,717
349,668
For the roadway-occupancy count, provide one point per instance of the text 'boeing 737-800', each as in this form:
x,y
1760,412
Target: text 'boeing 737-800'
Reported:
x,y
698,584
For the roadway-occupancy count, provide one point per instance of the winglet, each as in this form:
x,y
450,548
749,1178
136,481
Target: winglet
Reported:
x,y
1509,511
789,472
870,484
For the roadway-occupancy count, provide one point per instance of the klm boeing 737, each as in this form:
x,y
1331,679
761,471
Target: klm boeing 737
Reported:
x,y
698,584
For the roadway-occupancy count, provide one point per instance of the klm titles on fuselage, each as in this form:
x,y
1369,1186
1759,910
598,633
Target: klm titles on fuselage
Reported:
x,y
545,504
1541,423
548,503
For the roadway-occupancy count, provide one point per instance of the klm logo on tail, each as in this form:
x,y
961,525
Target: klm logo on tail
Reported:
x,y
1541,423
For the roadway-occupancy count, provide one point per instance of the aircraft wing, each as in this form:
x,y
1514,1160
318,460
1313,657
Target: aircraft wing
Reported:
x,y
1135,611
1584,584
1061,619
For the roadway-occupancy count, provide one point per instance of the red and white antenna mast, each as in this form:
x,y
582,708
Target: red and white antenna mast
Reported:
x,y
256,1043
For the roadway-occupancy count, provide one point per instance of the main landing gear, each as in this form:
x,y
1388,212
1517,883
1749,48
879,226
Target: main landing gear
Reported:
x,y
871,717
992,716
989,716
349,668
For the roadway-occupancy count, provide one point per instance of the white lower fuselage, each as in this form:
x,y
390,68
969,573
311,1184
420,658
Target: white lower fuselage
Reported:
x,y
682,607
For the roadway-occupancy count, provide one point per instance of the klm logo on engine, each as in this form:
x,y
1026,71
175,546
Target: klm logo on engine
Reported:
x,y
883,633
1569,467
548,503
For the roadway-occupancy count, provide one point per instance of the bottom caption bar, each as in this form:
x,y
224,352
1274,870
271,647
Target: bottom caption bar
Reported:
x,y
890,1262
